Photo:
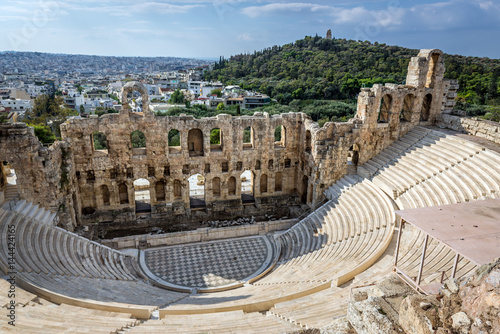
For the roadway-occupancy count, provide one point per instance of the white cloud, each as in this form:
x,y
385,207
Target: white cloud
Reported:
x,y
435,16
246,37
282,8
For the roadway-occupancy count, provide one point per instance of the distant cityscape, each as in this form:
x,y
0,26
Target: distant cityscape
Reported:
x,y
93,83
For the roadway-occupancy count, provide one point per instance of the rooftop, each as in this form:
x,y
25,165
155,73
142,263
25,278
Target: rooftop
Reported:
x,y
471,229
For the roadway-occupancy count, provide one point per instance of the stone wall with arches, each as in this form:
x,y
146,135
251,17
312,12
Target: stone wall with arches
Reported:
x,y
288,159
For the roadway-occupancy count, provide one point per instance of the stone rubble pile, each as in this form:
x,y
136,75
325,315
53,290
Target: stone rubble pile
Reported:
x,y
228,223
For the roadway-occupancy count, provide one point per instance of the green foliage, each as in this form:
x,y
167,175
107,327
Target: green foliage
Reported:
x,y
220,106
177,97
277,133
99,111
319,68
138,139
44,133
215,137
174,138
247,133
100,141
322,122
49,108
493,114
82,109
471,109
216,91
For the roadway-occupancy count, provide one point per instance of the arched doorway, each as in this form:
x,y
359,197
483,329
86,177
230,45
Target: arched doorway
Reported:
x,y
247,186
142,196
195,143
426,108
8,182
405,115
197,191
353,155
385,109
308,141
305,186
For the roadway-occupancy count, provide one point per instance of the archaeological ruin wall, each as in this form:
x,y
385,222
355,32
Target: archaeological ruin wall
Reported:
x,y
105,178
95,185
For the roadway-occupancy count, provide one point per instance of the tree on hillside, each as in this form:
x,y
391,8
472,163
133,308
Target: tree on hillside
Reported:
x,y
216,91
177,97
48,109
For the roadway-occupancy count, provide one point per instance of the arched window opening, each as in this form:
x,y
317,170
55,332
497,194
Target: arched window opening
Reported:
x,y
279,136
305,186
99,142
197,191
177,189
123,193
138,143
142,196
231,186
385,109
135,98
248,138
216,140
247,187
405,115
257,165
308,141
432,72
160,191
9,181
174,141
216,187
195,143
278,182
105,195
353,155
426,108
270,164
263,183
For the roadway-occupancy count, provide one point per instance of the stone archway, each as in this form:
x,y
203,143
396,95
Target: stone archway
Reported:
x,y
135,86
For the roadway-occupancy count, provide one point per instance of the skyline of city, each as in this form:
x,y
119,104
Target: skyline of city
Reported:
x,y
208,29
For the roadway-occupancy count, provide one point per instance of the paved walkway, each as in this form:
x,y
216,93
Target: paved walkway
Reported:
x,y
209,264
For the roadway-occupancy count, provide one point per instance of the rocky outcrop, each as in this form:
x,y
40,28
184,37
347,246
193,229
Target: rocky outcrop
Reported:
x,y
468,305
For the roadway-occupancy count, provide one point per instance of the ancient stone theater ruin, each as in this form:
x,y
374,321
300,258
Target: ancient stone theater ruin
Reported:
x,y
272,226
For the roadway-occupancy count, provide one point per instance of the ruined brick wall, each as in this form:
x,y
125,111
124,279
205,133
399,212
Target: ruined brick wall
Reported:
x,y
99,184
43,174
384,113
168,168
471,125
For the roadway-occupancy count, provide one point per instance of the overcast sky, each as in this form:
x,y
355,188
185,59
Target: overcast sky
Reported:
x,y
202,28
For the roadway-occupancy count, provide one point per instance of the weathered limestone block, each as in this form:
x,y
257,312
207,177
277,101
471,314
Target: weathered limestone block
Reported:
x,y
417,320
473,126
339,326
461,323
368,316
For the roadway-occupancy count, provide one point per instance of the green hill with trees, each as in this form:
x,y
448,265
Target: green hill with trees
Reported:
x,y
335,69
